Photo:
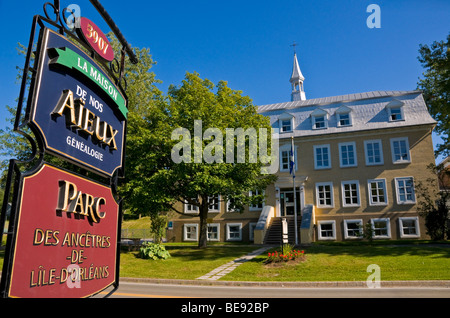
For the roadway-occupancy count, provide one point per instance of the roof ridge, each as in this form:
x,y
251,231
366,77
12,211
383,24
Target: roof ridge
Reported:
x,y
337,99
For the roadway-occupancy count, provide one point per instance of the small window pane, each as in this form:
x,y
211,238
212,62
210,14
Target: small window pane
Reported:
x,y
344,119
396,114
213,232
322,157
400,150
319,122
348,155
285,159
286,125
405,188
380,228
324,195
373,153
353,229
377,190
326,230
409,227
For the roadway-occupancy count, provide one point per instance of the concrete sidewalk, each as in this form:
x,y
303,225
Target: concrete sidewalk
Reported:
x,y
221,271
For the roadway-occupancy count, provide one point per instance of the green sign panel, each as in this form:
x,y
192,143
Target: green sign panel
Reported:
x,y
72,60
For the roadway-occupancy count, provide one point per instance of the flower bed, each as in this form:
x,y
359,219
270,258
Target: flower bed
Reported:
x,y
286,255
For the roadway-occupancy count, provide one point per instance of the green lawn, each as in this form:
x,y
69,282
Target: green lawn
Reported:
x,y
186,261
349,263
333,262
323,263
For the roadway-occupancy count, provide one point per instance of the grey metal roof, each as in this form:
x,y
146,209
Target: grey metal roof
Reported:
x,y
368,111
332,99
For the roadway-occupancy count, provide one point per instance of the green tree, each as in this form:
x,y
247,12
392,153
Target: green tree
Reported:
x,y
433,203
156,181
12,144
435,85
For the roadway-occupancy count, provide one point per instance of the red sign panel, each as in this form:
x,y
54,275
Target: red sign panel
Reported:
x,y
96,39
66,240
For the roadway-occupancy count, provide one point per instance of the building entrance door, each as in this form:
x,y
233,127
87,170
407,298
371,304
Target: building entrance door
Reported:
x,y
287,204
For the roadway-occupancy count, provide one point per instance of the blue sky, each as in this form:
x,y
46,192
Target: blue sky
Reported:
x,y
247,43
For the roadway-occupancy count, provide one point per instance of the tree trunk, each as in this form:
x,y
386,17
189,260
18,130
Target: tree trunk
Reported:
x,y
203,235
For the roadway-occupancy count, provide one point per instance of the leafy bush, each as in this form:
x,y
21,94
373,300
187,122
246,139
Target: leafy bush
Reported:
x,y
153,251
367,231
158,227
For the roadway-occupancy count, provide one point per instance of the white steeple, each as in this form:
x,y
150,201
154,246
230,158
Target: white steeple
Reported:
x,y
296,80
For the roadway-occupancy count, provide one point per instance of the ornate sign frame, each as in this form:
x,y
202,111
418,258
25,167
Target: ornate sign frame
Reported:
x,y
69,203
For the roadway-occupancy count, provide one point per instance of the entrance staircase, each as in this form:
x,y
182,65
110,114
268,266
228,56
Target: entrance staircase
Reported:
x,y
274,232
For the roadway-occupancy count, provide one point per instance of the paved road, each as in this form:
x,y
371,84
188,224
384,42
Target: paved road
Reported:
x,y
209,287
157,290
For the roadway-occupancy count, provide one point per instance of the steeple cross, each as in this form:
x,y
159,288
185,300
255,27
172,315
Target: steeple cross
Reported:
x,y
294,45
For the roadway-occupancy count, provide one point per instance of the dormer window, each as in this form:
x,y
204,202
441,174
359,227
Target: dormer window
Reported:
x,y
395,114
286,122
286,125
344,116
319,122
343,120
319,119
395,110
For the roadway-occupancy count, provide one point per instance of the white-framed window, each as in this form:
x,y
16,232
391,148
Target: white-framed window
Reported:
x,y
344,116
400,150
324,195
405,190
258,206
322,157
350,193
347,154
286,125
353,229
377,192
285,159
396,114
285,156
213,232
319,122
234,231
326,230
286,122
374,152
395,110
409,227
214,204
319,119
344,119
381,228
190,208
190,231
251,231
